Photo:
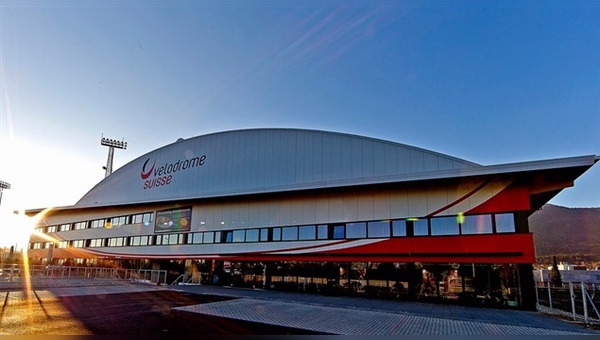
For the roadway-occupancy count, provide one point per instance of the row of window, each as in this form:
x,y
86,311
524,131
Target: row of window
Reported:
x,y
436,226
145,218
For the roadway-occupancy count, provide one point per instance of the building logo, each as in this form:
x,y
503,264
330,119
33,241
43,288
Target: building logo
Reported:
x,y
154,177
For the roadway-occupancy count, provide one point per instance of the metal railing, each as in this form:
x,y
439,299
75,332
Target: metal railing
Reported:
x,y
9,273
576,300
180,280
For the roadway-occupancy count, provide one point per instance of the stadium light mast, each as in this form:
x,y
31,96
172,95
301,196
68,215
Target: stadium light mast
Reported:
x,y
112,144
3,185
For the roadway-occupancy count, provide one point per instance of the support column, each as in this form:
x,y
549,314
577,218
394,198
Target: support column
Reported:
x,y
527,287
155,274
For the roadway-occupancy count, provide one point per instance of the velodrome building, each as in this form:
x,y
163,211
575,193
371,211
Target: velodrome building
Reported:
x,y
317,211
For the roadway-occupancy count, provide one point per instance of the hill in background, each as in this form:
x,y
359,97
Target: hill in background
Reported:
x,y
570,234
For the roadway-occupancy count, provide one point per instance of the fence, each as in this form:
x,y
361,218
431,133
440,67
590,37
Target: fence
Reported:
x,y
8,273
576,300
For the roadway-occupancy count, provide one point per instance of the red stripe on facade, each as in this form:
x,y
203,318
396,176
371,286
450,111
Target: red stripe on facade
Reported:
x,y
469,194
512,198
496,248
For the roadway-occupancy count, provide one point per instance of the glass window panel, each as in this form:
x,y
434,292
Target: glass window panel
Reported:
x,y
379,229
505,223
174,239
209,237
476,224
264,235
399,228
197,238
307,232
289,234
276,234
239,235
227,236
356,230
338,231
144,241
252,235
444,225
135,241
420,227
322,232
98,223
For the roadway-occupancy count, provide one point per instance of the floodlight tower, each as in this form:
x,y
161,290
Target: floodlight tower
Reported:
x,y
112,144
3,185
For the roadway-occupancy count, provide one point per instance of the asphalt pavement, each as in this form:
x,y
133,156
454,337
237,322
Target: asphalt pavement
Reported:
x,y
95,307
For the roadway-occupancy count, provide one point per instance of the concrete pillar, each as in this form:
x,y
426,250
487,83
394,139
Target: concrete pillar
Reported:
x,y
527,286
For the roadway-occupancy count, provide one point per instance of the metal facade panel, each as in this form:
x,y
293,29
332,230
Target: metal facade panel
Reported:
x,y
321,211
399,204
317,158
404,160
368,159
336,208
285,213
382,206
437,198
430,162
365,207
274,213
309,208
296,212
346,158
356,159
260,160
350,208
417,203
417,161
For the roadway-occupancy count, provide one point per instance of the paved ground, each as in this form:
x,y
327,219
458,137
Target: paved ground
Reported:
x,y
86,307
102,307
362,316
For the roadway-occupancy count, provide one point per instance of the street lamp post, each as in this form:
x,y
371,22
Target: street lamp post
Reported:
x,y
3,185
112,144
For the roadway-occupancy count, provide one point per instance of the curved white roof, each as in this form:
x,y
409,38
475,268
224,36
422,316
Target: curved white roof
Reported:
x,y
265,160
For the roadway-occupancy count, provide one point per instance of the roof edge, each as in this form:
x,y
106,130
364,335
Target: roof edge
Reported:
x,y
538,165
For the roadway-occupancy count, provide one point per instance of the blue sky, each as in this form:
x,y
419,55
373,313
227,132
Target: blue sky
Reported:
x,y
490,82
